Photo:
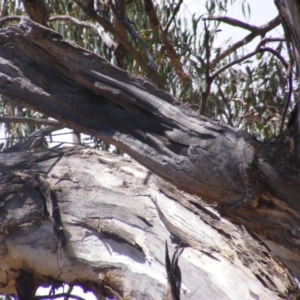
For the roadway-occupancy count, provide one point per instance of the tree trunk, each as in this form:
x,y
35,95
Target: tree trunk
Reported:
x,y
118,249
102,221
254,184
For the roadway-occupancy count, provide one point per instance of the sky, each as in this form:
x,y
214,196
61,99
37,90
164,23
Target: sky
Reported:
x,y
262,11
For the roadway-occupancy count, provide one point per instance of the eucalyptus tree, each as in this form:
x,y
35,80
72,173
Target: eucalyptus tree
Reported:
x,y
222,150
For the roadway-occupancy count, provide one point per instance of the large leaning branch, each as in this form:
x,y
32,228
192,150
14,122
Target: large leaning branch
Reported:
x,y
255,184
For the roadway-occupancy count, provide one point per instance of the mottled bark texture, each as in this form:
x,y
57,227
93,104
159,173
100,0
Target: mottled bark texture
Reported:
x,y
116,218
253,184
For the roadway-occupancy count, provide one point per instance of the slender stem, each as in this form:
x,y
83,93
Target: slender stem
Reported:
x,y
176,10
29,121
289,96
262,30
208,79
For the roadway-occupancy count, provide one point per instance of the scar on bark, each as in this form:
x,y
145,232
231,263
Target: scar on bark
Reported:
x,y
173,273
51,212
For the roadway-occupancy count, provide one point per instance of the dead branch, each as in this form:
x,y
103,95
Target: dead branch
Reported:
x,y
29,121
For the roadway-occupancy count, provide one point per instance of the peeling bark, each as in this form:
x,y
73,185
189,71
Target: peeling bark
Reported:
x,y
254,184
103,221
117,217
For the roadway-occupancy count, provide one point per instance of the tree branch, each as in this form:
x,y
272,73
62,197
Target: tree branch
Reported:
x,y
37,10
197,154
9,19
34,140
107,25
175,11
208,78
291,30
104,36
233,22
275,53
122,17
2,8
229,117
261,30
113,245
29,121
237,61
289,96
170,49
60,295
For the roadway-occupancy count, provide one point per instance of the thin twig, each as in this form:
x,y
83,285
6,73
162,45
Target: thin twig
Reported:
x,y
233,22
119,12
29,121
34,140
227,105
269,40
173,271
58,296
69,291
262,30
289,96
73,20
176,10
100,18
9,19
237,61
208,78
207,51
275,53
104,36
172,54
